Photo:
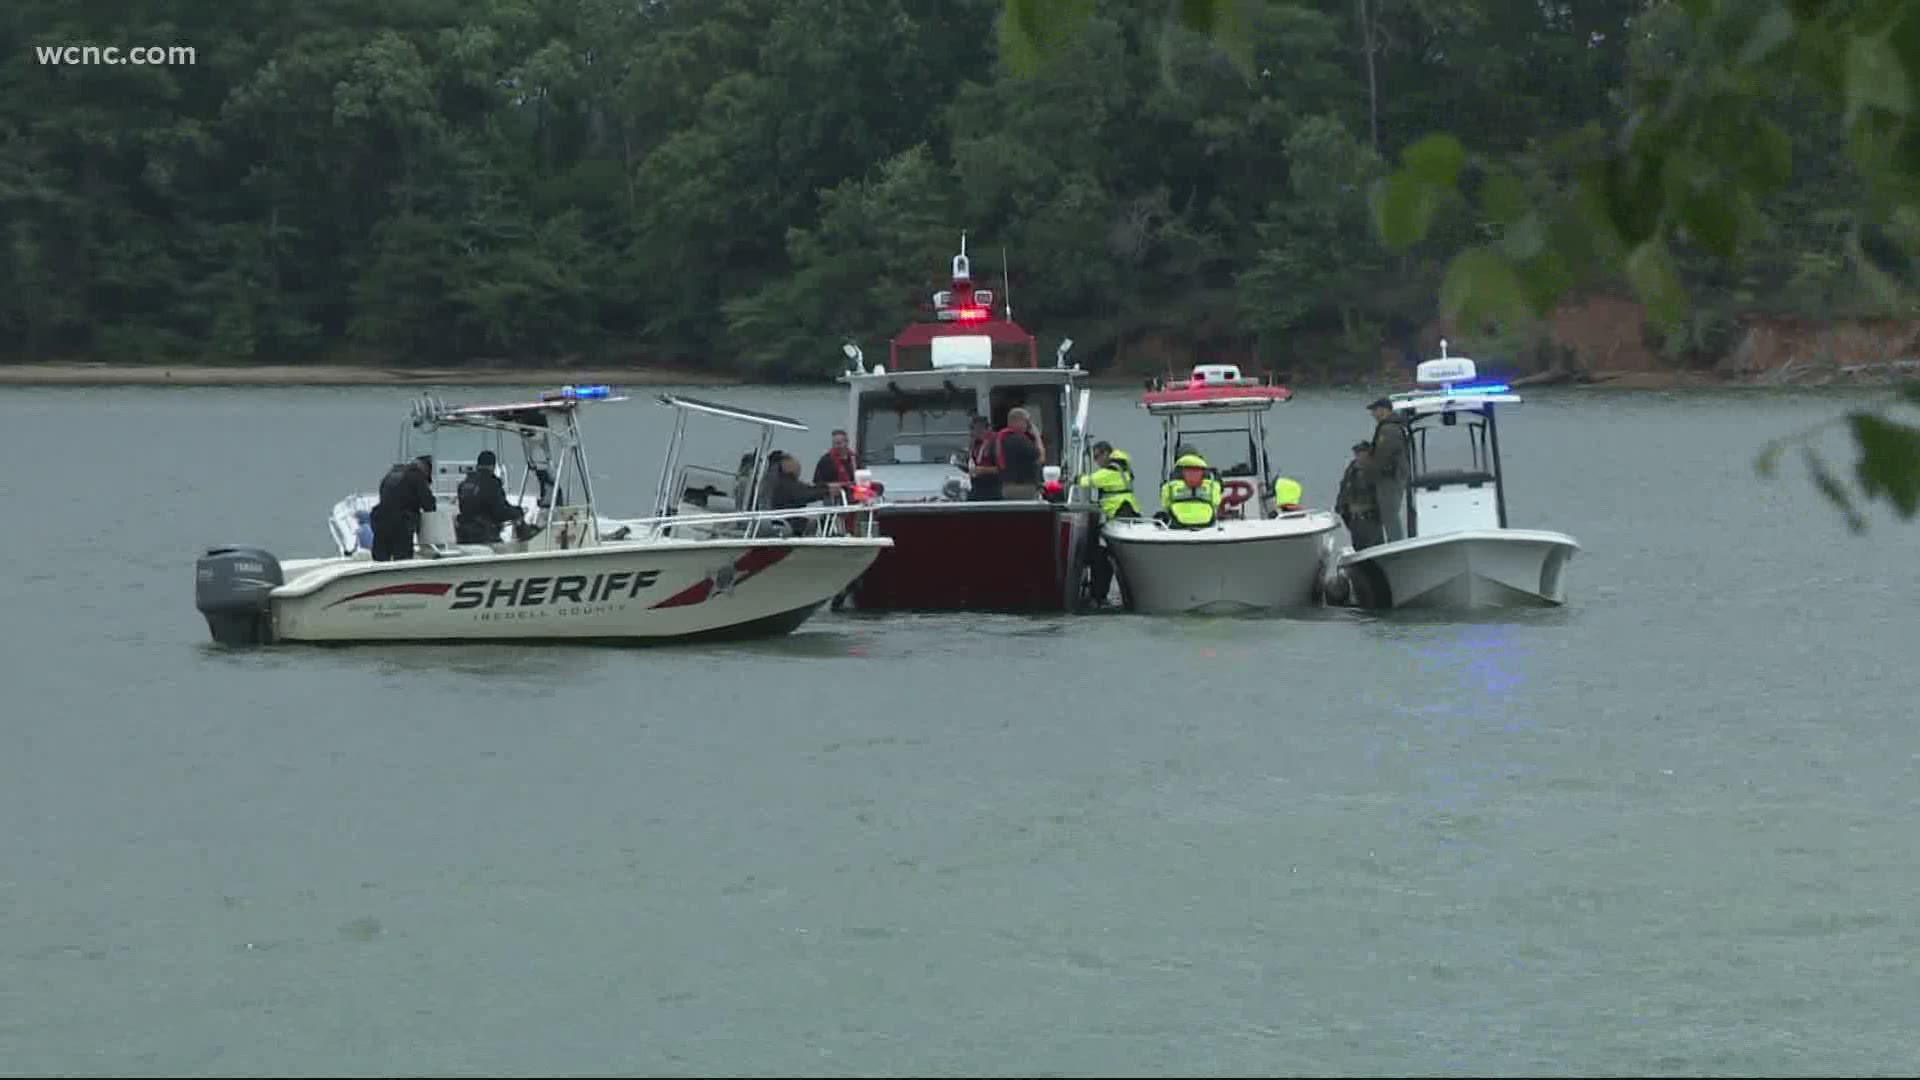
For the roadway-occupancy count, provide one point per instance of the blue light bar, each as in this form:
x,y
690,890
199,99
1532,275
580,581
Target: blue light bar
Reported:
x,y
579,393
1467,391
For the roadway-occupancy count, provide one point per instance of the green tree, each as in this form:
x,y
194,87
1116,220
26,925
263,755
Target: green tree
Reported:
x,y
1698,147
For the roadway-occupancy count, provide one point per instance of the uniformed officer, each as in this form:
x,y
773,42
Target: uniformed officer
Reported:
x,y
405,494
484,506
1390,470
1355,503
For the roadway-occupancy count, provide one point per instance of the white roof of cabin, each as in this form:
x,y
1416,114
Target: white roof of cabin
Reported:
x,y
1433,402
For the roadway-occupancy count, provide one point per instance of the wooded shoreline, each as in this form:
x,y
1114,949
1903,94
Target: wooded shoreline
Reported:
x,y
83,374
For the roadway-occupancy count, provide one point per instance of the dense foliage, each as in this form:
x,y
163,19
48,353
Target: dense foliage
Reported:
x,y
744,183
1696,158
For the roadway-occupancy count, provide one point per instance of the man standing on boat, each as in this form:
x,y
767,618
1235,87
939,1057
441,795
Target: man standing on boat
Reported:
x,y
981,459
406,492
1355,503
484,506
836,466
1019,451
786,491
1011,464
1389,471
1112,480
1190,500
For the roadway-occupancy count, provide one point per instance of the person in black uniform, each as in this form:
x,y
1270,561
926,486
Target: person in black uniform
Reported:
x,y
484,506
786,491
405,494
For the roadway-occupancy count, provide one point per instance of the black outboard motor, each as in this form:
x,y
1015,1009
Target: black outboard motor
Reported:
x,y
231,588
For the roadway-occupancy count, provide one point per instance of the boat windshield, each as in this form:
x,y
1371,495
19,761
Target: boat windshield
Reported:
x,y
455,450
912,427
1460,447
1230,450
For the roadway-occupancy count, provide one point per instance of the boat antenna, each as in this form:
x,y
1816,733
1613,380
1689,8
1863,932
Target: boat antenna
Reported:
x,y
1006,283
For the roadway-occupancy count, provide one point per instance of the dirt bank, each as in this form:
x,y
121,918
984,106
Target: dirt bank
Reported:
x,y
1606,341
339,375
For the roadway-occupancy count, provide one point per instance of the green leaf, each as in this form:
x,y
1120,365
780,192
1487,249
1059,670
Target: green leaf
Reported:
x,y
1774,30
1201,16
1906,164
1712,219
1633,198
1809,10
1824,480
1656,283
1545,279
1502,199
1525,238
1889,465
1435,159
1479,285
1876,79
1768,461
1768,161
1033,31
1403,209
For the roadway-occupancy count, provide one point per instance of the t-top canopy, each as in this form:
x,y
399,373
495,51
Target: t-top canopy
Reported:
x,y
731,412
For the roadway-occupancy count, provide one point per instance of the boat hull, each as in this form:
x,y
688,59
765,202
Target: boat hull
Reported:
x,y
1235,566
1018,556
1469,569
657,591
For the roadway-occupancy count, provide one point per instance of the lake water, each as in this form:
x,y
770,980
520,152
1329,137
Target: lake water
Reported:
x,y
1669,829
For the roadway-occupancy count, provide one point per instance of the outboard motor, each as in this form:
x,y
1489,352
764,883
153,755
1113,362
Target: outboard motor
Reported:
x,y
232,587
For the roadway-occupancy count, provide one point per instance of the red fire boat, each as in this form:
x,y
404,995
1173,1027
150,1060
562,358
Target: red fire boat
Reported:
x,y
911,423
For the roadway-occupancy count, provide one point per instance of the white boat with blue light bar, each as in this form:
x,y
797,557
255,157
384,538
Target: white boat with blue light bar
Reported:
x,y
566,576
1459,551
1260,554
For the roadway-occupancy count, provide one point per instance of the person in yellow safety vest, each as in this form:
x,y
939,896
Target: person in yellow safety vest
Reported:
x,y
1192,500
1286,493
1112,480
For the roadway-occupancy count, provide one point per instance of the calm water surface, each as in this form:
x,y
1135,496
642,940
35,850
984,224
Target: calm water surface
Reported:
x,y
1670,829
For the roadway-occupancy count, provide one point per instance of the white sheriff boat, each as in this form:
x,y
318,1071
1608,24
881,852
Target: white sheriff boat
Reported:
x,y
1459,551
1259,554
564,576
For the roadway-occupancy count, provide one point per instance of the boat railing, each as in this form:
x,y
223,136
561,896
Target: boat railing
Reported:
x,y
846,519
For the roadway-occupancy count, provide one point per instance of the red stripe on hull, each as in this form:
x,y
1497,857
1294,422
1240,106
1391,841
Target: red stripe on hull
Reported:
x,y
434,588
744,567
976,560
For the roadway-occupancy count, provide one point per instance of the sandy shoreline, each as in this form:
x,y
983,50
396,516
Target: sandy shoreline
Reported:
x,y
340,375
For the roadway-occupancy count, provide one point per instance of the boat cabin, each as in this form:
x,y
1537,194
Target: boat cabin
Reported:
x,y
1453,443
1220,414
910,420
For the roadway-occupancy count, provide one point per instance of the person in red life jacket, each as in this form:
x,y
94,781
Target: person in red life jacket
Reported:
x,y
1019,448
838,463
983,462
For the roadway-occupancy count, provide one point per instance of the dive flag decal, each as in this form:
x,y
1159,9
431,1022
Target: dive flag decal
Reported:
x,y
427,588
747,565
